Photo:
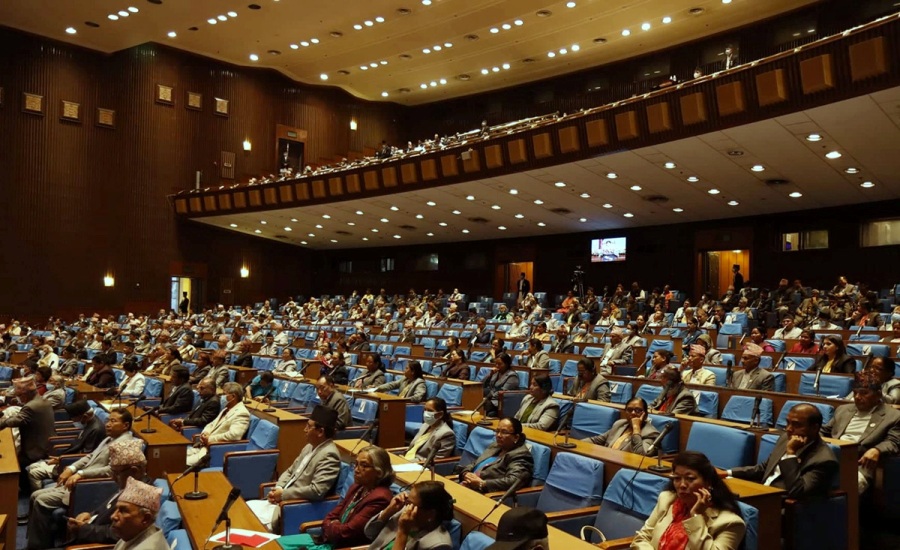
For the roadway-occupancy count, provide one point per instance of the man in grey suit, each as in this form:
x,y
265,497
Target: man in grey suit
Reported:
x,y
334,400
56,395
41,525
801,463
752,377
92,433
537,357
312,476
34,420
868,422
618,352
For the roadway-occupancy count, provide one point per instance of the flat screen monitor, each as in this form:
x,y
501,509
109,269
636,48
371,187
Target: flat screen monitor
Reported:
x,y
608,250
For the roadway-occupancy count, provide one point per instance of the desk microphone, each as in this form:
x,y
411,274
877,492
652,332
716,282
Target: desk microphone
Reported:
x,y
483,421
429,463
816,381
196,494
154,410
511,491
562,425
658,467
780,361
755,423
728,374
366,434
223,516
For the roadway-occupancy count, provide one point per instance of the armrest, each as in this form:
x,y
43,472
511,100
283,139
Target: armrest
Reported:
x,y
263,486
310,525
525,491
66,460
616,544
576,512
332,498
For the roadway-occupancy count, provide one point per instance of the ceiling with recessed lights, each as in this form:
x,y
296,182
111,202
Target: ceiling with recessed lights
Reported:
x,y
408,51
843,153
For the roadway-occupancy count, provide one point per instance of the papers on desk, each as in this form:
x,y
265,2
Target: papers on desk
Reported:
x,y
110,405
464,413
408,467
245,537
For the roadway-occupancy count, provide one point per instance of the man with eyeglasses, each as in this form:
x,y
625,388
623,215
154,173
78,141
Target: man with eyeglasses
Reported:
x,y
334,400
502,464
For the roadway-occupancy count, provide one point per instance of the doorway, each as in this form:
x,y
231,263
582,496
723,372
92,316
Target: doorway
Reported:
x,y
508,277
717,269
180,285
290,155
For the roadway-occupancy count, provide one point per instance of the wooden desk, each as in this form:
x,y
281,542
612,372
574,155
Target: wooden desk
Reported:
x,y
166,448
470,507
391,417
766,499
243,375
83,390
9,486
291,431
471,391
198,516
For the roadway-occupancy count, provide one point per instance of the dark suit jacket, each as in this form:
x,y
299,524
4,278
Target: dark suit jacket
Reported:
x,y
340,374
638,444
244,360
845,364
35,423
566,346
482,338
351,533
810,476
104,378
93,433
460,372
684,403
882,433
200,374
181,400
502,474
206,411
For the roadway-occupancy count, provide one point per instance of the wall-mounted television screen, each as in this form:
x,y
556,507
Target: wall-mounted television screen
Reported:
x,y
608,250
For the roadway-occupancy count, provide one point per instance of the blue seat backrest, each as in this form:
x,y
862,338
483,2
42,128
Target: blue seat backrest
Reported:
x,y
720,372
593,352
574,481
751,521
627,503
153,387
462,435
302,394
670,442
829,384
740,407
778,345
826,410
620,392
511,401
431,388
523,379
541,455
478,441
780,381
766,444
648,393
476,540
570,368
555,366
254,422
591,419
765,362
452,394
363,411
263,437
707,403
726,447
285,389
797,363
6,373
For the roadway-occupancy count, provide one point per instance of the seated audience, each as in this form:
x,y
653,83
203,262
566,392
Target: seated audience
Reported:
x,y
333,399
230,425
833,357
34,421
500,378
694,373
522,528
618,352
373,376
539,410
181,396
132,385
261,387
659,360
205,412
787,331
751,376
698,511
632,433
411,386
674,398
588,384
537,358
807,343
457,367
502,464
91,434
436,431
417,519
134,518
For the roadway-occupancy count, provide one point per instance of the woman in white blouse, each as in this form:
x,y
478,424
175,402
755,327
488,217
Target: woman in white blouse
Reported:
x,y
133,383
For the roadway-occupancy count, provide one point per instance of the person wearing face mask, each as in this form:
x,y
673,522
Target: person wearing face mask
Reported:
x,y
56,392
91,434
230,425
436,431
582,336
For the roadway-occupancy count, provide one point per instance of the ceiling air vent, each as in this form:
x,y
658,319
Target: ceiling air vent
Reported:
x,y
404,11
478,220
471,37
658,199
561,211
544,13
282,237
407,227
776,181
343,233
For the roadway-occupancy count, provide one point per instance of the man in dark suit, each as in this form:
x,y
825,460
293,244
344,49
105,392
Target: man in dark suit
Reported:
x,y
563,344
92,433
206,411
181,397
523,287
481,335
869,423
34,420
126,459
801,463
245,359
751,377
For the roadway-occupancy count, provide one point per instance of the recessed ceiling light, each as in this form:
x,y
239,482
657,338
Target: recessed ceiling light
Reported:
x,y
426,2
796,195
124,13
357,27
628,215
221,18
669,165
542,224
833,155
585,195
713,191
645,27
551,54
379,19
359,212
693,179
560,184
288,229
520,216
311,235
394,208
506,26
679,210
431,203
426,50
319,226
733,203
726,1
470,197
501,227
505,66
538,202
575,47
114,17
612,175
626,32
264,222
518,22
570,4
419,216
384,94
396,236
304,43
374,230
303,242
294,220
758,168
430,234
254,57
385,220
368,23
314,40
495,207
173,34
457,212
852,170
563,51
607,205
442,224
232,14
351,224
334,240
71,30
814,137
485,71
867,185
448,44
582,220
443,81
465,230
233,224
666,20
635,187
494,30
365,238
133,9
257,231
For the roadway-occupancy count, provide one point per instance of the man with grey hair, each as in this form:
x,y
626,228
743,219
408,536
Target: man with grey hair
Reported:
x,y
56,391
230,425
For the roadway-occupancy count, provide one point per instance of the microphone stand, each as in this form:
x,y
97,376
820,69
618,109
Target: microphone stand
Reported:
x,y
227,544
148,429
196,494
659,467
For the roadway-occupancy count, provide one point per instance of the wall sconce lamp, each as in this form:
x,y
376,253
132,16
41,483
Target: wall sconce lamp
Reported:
x,y
245,272
353,124
247,145
109,280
